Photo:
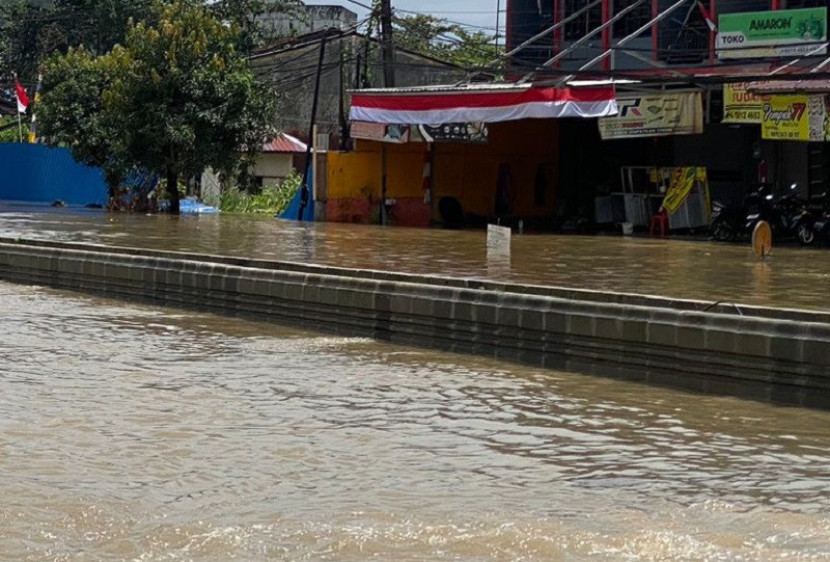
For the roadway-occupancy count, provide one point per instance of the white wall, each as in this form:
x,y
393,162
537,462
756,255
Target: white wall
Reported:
x,y
273,168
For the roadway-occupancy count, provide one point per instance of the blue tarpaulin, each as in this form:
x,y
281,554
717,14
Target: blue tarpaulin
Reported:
x,y
193,207
293,210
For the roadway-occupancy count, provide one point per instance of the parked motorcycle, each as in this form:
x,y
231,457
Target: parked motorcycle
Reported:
x,y
725,222
814,222
783,213
728,222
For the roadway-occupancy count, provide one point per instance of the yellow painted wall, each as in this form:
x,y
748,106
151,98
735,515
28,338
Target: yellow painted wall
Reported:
x,y
358,173
466,171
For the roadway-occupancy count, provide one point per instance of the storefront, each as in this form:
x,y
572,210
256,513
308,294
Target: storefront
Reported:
x,y
456,154
794,121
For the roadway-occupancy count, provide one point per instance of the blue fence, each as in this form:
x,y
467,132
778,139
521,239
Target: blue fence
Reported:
x,y
35,173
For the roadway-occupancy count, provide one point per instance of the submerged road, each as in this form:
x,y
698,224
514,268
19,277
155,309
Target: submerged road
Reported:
x,y
792,277
140,433
131,432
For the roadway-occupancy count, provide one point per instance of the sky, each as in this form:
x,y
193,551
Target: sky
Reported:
x,y
475,13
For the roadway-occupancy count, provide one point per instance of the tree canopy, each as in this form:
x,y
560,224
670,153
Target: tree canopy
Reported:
x,y
176,98
72,114
33,30
444,40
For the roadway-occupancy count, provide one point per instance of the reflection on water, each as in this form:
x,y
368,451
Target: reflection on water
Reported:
x,y
134,433
792,277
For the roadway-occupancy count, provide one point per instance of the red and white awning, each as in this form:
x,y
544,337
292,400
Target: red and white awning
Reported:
x,y
436,106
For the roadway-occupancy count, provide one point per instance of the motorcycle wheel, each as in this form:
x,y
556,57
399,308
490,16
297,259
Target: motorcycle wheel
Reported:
x,y
721,231
805,234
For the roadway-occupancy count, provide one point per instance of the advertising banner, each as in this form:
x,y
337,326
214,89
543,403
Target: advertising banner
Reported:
x,y
455,132
681,184
781,33
741,106
655,115
396,134
795,118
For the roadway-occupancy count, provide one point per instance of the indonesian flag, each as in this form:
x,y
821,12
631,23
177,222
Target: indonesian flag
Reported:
x,y
707,16
486,105
22,96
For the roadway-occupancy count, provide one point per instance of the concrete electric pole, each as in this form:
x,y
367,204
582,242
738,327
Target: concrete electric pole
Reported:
x,y
387,44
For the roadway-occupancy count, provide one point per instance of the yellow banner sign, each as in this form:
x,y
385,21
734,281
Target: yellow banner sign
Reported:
x,y
681,184
796,118
741,106
655,115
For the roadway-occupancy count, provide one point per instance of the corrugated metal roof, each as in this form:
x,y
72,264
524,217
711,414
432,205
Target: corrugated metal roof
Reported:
x,y
444,88
482,87
806,86
285,143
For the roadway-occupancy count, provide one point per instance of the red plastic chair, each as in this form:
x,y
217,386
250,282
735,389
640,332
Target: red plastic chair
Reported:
x,y
659,223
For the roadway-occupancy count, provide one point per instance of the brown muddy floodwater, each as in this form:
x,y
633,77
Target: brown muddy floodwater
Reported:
x,y
792,278
138,433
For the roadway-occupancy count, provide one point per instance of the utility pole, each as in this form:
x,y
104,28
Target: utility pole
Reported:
x,y
312,130
387,45
498,24
388,50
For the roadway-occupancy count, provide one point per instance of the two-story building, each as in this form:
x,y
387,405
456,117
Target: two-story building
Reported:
x,y
680,46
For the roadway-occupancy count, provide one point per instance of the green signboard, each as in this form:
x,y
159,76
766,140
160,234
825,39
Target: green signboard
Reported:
x,y
782,33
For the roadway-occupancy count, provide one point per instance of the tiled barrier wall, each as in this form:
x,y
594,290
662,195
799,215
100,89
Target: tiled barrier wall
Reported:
x,y
776,356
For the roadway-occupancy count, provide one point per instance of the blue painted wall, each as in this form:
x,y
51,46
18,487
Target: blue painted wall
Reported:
x,y
35,173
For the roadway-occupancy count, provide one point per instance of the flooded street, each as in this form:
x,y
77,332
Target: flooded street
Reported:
x,y
137,433
793,278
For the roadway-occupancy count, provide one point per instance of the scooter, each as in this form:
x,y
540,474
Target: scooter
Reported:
x,y
782,213
729,221
726,222
814,223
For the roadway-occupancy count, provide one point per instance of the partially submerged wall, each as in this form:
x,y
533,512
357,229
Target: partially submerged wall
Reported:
x,y
772,355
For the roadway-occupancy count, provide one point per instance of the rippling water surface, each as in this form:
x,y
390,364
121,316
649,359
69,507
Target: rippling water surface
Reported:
x,y
793,277
137,433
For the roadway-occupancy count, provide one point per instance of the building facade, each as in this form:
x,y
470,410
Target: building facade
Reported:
x,y
676,49
308,19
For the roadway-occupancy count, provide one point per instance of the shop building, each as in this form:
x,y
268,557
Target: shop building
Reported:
x,y
686,97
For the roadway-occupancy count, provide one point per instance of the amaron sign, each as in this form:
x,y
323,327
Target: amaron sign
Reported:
x,y
770,34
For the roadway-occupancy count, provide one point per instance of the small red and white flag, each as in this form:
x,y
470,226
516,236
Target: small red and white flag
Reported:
x,y
708,17
21,95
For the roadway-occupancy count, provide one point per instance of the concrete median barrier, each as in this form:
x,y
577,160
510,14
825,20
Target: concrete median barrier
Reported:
x,y
780,356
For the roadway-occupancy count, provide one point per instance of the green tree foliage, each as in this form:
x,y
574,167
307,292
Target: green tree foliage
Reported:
x,y
443,40
34,30
72,114
9,129
21,41
176,98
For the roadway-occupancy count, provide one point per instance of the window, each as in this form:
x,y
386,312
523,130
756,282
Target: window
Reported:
x,y
633,20
592,19
585,22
